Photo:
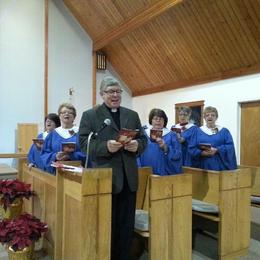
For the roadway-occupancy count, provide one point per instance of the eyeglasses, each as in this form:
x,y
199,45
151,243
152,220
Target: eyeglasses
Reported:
x,y
111,92
183,114
157,118
66,112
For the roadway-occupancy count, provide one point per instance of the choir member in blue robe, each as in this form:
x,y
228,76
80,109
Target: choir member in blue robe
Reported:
x,y
66,133
184,131
51,121
212,145
163,152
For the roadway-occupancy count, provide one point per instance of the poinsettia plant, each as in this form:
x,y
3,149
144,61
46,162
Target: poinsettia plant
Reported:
x,y
21,232
10,190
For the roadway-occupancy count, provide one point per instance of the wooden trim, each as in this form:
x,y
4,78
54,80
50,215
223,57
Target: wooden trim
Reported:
x,y
134,22
191,104
13,155
94,80
46,60
202,80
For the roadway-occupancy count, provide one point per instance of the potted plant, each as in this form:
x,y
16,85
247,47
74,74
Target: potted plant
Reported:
x,y
20,234
11,194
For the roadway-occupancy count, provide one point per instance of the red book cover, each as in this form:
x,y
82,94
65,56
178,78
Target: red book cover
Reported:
x,y
204,146
176,129
154,134
126,135
68,147
38,142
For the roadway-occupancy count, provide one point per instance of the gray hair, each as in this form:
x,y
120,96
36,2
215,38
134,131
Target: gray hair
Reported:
x,y
210,109
185,110
108,81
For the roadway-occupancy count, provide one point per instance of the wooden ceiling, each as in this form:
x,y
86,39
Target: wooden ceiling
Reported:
x,y
157,45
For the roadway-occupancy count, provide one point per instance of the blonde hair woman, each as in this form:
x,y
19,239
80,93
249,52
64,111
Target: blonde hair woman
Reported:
x,y
212,145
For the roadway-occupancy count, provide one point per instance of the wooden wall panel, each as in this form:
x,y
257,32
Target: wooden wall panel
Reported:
x,y
190,43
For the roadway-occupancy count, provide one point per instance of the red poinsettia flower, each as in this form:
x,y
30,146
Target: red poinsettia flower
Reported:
x,y
21,232
10,190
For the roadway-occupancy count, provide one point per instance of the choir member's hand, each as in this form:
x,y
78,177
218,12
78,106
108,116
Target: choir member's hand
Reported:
x,y
210,152
214,150
180,138
113,146
162,144
61,156
132,146
30,165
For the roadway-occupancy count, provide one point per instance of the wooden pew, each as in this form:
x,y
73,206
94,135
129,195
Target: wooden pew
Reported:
x,y
168,201
77,209
255,171
230,191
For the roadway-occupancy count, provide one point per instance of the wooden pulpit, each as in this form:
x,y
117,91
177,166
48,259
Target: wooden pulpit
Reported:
x,y
77,209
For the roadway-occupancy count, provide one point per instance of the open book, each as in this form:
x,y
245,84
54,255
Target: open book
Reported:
x,y
126,135
154,134
176,130
38,142
68,147
66,167
205,146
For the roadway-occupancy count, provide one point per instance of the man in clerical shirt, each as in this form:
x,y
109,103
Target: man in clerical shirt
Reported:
x,y
105,151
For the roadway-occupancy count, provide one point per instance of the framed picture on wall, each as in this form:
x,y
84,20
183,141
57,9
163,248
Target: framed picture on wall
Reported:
x,y
197,111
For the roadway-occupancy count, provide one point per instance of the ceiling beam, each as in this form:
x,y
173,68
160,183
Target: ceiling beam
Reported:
x,y
134,22
202,80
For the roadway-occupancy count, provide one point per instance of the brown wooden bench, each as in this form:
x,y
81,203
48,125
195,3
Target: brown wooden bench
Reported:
x,y
230,191
255,171
168,201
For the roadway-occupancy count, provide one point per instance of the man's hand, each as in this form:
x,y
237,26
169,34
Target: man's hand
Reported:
x,y
132,146
113,146
61,156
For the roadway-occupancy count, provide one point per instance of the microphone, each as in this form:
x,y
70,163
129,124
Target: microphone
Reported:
x,y
106,123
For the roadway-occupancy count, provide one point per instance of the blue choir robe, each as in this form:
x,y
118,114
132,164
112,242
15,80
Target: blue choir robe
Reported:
x,y
34,155
224,159
53,145
162,163
187,132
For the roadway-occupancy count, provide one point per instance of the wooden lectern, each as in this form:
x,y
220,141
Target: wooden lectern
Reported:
x,y
77,210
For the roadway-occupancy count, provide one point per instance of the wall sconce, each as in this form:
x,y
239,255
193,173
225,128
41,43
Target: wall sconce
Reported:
x,y
101,61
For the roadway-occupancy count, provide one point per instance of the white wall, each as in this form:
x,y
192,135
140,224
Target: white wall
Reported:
x,y
225,95
22,64
21,67
70,61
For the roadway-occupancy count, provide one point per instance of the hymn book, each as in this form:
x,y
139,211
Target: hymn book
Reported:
x,y
155,133
38,142
204,146
68,147
176,130
126,135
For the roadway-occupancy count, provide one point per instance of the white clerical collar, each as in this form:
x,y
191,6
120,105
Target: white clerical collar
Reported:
x,y
149,127
113,110
67,133
44,134
209,131
186,126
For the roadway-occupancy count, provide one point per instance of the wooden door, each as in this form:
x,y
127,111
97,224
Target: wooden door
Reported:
x,y
250,134
25,134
